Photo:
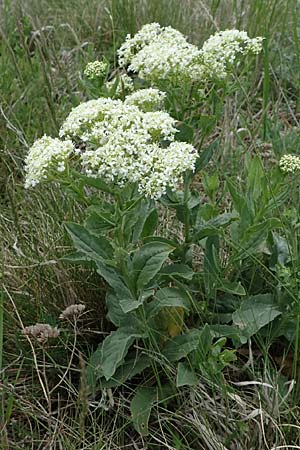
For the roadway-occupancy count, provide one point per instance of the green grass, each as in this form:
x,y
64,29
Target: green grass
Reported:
x,y
44,46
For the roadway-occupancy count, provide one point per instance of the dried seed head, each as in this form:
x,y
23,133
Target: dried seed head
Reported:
x,y
41,332
72,311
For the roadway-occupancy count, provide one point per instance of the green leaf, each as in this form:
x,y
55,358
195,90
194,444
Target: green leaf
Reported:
x,y
181,346
206,155
115,313
211,227
232,287
211,265
95,182
133,365
237,198
77,258
147,262
255,177
254,313
141,406
113,278
228,331
168,297
255,237
147,221
185,375
177,271
98,223
112,351
95,248
162,240
186,132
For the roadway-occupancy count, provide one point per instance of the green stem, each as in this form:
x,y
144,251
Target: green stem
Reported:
x,y
187,216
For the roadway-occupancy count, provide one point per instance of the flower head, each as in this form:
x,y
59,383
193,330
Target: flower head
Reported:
x,y
289,163
46,156
157,52
42,332
125,143
95,69
72,311
161,53
146,99
221,50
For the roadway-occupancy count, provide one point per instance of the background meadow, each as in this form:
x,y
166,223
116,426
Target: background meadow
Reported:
x,y
44,397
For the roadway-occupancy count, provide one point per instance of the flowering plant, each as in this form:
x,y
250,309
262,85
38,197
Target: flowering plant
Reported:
x,y
124,157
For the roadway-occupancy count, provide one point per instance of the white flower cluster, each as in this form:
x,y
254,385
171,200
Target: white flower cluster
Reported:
x,y
147,99
222,49
120,85
47,155
95,69
289,163
123,144
157,53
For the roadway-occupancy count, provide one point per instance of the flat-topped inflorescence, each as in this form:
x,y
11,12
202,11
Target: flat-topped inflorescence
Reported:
x,y
124,143
46,157
289,163
96,69
158,53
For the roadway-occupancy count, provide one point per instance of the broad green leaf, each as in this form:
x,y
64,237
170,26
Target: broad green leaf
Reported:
x,y
78,258
141,406
228,331
96,183
147,221
127,301
254,313
211,227
186,132
210,182
98,223
168,297
129,304
112,351
185,375
162,240
206,155
177,271
115,313
211,265
236,196
147,262
133,365
232,287
96,248
181,346
255,178
114,279
255,236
